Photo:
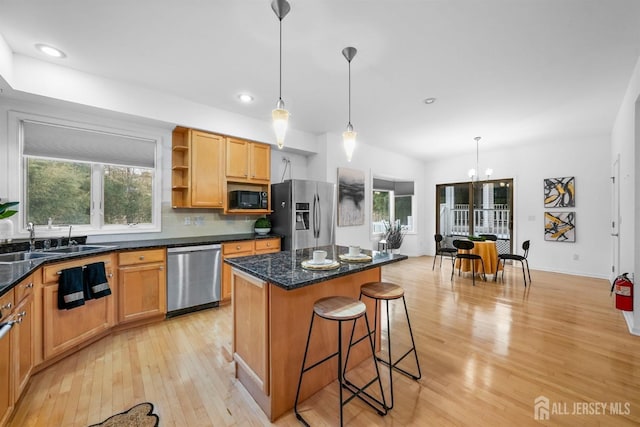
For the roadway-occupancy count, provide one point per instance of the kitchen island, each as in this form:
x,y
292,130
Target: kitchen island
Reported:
x,y
273,297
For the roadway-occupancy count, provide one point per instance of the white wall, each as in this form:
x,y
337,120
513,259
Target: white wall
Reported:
x,y
625,142
528,164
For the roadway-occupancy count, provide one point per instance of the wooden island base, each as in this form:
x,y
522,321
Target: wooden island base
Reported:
x,y
270,327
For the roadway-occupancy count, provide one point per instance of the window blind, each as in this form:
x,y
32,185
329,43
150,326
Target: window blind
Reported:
x,y
63,142
400,188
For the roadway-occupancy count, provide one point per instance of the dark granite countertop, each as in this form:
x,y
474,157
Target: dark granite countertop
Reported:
x,y
284,268
12,274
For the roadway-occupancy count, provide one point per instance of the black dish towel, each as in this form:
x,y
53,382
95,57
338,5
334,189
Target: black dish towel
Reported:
x,y
70,288
96,280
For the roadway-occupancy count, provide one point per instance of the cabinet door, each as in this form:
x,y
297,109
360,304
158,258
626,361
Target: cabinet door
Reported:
x,y
6,398
237,156
23,333
142,292
64,329
207,174
260,162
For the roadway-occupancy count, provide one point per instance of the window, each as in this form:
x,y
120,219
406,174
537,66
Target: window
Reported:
x,y
96,180
392,200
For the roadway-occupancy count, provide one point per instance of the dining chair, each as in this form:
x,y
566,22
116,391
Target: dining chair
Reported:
x,y
442,251
491,237
467,245
516,257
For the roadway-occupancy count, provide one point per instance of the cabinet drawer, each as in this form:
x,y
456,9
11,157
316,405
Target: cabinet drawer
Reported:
x,y
6,304
24,289
141,257
266,245
50,272
237,247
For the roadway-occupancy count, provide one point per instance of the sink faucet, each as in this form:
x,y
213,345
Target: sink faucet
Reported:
x,y
71,242
32,236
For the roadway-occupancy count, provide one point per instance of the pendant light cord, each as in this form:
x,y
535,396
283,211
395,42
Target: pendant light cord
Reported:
x,y
349,92
280,94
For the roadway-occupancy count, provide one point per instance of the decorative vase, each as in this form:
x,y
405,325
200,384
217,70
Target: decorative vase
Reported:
x,y
6,230
262,231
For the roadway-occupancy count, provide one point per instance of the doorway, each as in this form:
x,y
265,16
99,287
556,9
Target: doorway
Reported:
x,y
474,208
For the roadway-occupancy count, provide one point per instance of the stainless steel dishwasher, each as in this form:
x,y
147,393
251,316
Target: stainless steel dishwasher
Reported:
x,y
194,274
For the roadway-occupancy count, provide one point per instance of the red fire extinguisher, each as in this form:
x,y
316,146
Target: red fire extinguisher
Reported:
x,y
623,288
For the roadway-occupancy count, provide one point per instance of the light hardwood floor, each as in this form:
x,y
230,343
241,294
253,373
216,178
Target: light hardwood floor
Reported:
x,y
486,353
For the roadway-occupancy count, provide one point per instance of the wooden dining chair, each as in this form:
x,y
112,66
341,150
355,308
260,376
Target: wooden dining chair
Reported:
x,y
467,245
442,251
516,257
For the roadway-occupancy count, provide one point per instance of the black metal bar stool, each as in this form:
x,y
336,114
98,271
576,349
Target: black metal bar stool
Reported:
x,y
385,291
342,309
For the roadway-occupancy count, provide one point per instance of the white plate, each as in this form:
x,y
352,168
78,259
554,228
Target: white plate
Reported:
x,y
324,262
356,256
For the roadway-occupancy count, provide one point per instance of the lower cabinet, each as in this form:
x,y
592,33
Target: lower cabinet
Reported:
x,y
243,248
23,337
6,395
142,285
66,329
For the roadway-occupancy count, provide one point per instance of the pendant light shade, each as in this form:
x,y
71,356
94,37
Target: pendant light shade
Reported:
x,y
349,136
280,115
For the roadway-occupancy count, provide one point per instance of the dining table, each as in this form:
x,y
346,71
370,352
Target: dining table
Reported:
x,y
488,251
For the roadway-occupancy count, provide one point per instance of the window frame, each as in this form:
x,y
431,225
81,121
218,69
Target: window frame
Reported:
x,y
18,179
392,200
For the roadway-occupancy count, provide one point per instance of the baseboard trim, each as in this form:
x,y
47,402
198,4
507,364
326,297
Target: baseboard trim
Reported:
x,y
628,317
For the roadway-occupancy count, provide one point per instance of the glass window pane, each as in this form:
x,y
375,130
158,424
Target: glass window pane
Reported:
x,y
127,195
60,190
403,211
380,210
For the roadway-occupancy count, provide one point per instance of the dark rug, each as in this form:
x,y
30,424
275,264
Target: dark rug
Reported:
x,y
138,416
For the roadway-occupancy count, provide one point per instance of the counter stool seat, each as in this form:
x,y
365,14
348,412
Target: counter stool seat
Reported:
x,y
343,309
386,291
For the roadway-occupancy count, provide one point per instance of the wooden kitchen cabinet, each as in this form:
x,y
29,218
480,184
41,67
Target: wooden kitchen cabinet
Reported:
x,y
197,169
71,329
243,248
142,289
23,336
247,160
6,390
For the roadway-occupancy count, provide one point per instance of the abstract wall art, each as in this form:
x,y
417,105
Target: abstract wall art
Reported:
x,y
560,226
560,192
350,197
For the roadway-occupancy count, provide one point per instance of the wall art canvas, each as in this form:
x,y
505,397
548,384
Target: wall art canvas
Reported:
x,y
350,197
560,192
560,226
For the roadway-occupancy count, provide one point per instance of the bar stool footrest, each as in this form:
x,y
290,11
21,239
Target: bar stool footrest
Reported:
x,y
357,391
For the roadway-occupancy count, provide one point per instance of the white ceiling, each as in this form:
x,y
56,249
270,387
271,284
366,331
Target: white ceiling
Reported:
x,y
511,71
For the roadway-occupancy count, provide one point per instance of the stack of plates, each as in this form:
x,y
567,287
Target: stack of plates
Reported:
x,y
355,258
327,264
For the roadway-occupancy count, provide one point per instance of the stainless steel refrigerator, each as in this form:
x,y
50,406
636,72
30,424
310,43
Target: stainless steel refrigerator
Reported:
x,y
303,213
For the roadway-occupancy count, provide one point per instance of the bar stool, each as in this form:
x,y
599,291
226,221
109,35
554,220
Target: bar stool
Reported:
x,y
342,309
385,291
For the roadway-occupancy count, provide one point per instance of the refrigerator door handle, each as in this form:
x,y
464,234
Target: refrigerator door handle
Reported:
x,y
315,216
319,227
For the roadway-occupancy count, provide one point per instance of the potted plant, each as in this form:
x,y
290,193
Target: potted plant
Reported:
x,y
393,234
6,225
262,226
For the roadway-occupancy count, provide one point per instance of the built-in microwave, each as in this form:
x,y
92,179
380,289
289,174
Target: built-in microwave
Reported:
x,y
242,199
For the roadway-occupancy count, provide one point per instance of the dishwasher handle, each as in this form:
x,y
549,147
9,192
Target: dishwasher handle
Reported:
x,y
185,249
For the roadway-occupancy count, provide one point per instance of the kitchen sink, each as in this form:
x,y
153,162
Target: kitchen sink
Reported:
x,y
79,248
24,256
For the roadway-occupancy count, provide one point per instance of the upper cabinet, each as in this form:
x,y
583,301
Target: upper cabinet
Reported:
x,y
197,169
247,161
205,167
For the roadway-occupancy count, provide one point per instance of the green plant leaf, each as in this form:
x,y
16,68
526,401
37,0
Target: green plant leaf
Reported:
x,y
5,206
6,214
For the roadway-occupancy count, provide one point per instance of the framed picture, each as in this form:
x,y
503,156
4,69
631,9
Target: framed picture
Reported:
x,y
350,197
560,192
560,226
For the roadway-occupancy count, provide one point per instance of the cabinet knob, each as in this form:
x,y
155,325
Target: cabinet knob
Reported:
x,y
7,306
110,275
141,257
268,244
161,268
238,247
22,314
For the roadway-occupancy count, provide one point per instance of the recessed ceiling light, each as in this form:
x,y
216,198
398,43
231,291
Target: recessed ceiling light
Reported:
x,y
245,97
50,50
429,100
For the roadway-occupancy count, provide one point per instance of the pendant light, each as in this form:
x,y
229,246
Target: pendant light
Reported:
x,y
280,116
474,173
349,136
